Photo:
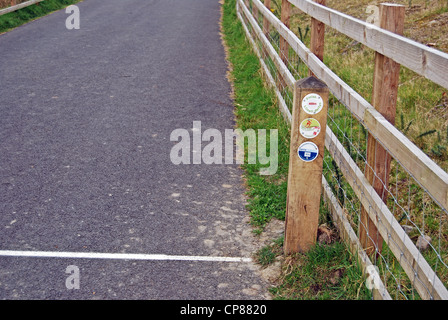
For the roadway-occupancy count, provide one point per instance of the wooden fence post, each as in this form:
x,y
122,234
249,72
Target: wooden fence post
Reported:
x,y
384,99
309,119
255,12
283,44
317,37
266,24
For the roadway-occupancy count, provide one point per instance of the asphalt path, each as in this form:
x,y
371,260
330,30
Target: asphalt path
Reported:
x,y
85,123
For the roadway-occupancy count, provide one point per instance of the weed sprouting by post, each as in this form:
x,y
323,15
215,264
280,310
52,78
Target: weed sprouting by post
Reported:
x,y
326,272
268,254
303,35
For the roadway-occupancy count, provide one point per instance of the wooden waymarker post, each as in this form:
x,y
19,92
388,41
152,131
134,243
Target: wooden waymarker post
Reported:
x,y
309,120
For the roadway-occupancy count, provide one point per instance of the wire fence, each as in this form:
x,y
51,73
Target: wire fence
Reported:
x,y
422,219
410,241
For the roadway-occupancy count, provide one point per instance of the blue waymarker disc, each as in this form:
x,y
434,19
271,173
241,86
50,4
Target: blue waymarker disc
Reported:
x,y
308,151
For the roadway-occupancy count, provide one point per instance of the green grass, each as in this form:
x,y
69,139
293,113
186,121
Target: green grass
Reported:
x,y
17,18
327,271
267,255
256,108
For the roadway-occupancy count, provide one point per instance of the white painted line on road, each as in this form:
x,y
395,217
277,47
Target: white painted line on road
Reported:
x,y
117,256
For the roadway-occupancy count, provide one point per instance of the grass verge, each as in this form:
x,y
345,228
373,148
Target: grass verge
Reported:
x,y
255,108
326,272
17,18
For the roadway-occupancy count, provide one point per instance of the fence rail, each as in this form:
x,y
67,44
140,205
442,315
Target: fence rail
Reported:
x,y
18,6
433,180
424,60
427,172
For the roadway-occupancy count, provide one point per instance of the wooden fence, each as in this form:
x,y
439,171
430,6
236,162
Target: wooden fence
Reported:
x,y
15,7
385,140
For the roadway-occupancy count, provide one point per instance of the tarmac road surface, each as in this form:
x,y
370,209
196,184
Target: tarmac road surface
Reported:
x,y
85,172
